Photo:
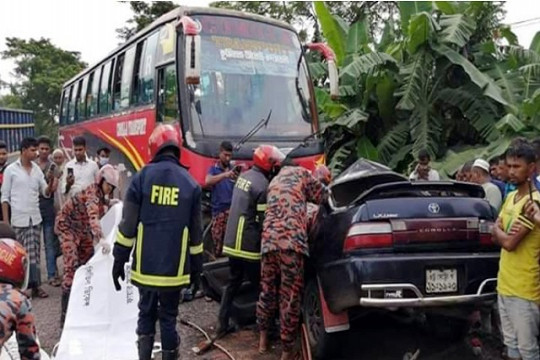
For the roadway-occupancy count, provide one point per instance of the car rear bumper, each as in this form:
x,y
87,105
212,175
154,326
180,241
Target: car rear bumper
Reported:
x,y
398,280
420,300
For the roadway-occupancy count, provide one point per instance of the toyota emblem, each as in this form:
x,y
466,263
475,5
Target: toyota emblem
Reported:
x,y
434,208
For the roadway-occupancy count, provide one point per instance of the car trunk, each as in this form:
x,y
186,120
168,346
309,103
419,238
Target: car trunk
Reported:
x,y
390,214
421,217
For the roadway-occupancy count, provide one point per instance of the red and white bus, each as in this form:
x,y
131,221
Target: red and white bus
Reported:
x,y
215,73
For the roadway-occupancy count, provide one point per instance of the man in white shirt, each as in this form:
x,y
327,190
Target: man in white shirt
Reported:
x,y
423,171
480,176
22,185
80,172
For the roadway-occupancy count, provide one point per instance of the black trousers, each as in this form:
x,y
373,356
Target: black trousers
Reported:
x,y
239,270
162,305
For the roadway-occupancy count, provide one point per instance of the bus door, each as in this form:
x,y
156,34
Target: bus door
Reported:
x,y
167,109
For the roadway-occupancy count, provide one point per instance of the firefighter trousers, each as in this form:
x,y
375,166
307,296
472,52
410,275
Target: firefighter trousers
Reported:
x,y
283,272
162,305
239,270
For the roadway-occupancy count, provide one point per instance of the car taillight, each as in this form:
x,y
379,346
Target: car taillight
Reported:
x,y
485,228
368,235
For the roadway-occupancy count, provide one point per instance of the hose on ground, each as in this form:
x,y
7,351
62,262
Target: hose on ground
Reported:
x,y
205,334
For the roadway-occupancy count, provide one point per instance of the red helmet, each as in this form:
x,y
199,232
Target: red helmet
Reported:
x,y
267,156
323,174
162,137
14,265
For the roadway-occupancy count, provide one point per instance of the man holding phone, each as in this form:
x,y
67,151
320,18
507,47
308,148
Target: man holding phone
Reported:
x,y
220,180
48,212
80,171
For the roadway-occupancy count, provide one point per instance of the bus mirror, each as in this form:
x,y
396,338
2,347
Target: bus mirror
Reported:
x,y
330,57
192,50
193,59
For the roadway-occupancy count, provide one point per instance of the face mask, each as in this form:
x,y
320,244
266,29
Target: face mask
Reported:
x,y
103,161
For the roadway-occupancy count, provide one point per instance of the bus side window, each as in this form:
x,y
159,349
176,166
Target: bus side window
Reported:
x,y
167,106
127,77
78,101
104,92
93,100
117,82
147,71
88,97
81,98
73,102
136,81
65,107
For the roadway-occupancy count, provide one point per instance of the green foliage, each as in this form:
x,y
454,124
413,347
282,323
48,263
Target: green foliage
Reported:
x,y
41,69
144,13
433,80
334,31
457,29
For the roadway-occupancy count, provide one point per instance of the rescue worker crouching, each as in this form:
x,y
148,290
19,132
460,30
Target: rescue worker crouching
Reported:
x,y
242,243
78,227
162,211
284,247
15,308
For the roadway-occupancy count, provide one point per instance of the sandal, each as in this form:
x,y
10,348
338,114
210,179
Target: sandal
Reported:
x,y
55,282
28,293
40,293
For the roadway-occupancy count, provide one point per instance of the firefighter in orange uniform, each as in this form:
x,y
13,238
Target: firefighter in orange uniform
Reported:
x,y
15,308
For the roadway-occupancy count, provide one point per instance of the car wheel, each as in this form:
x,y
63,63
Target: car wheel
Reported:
x,y
447,327
322,343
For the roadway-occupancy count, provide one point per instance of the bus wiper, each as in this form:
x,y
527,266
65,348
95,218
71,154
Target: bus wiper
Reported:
x,y
252,132
304,142
196,104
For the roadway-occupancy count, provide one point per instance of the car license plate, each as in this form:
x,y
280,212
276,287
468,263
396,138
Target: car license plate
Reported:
x,y
441,281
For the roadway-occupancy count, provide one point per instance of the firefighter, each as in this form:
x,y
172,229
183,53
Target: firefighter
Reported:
x,y
78,227
15,308
242,242
284,247
162,210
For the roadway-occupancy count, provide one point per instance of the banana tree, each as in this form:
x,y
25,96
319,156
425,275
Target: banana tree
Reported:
x,y
417,87
516,71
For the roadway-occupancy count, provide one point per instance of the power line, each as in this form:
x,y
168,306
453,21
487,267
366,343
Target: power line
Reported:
x,y
520,26
524,21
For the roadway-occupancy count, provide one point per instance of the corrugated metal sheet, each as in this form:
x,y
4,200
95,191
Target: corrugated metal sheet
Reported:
x,y
15,125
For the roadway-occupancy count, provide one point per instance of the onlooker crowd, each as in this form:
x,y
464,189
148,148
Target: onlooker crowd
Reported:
x,y
511,183
33,191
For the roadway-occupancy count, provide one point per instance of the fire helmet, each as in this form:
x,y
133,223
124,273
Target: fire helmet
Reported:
x,y
323,174
267,157
14,264
164,136
109,174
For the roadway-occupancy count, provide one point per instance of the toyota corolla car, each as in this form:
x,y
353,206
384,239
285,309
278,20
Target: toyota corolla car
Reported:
x,y
383,242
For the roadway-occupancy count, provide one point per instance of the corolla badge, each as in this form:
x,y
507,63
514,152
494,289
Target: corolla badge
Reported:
x,y
434,208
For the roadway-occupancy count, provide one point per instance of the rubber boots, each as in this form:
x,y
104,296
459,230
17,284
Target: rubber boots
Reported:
x,y
169,354
145,344
64,306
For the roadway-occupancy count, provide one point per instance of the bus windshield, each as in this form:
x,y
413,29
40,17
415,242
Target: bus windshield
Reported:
x,y
248,69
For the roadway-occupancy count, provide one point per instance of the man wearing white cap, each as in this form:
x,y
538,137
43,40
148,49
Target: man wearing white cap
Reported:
x,y
480,176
